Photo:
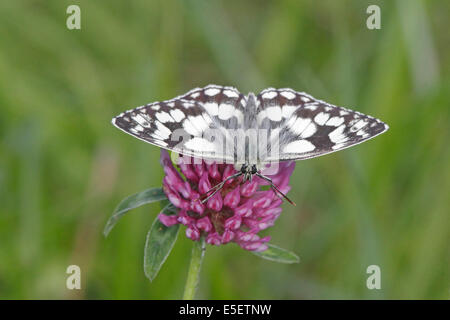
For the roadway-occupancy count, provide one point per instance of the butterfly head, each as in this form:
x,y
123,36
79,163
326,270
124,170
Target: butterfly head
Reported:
x,y
248,171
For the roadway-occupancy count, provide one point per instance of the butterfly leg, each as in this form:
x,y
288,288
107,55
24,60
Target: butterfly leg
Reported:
x,y
218,187
275,188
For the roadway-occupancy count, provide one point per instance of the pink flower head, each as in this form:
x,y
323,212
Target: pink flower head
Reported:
x,y
237,213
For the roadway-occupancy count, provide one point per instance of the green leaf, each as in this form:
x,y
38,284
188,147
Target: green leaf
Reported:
x,y
159,243
131,202
278,254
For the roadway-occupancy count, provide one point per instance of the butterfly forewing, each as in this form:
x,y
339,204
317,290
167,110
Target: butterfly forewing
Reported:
x,y
303,127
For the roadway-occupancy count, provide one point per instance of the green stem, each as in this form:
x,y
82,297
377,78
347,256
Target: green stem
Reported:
x,y
198,252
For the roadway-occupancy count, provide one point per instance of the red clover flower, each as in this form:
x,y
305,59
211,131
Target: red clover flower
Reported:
x,y
235,214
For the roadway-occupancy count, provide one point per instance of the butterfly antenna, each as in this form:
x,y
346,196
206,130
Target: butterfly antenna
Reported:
x,y
275,188
218,187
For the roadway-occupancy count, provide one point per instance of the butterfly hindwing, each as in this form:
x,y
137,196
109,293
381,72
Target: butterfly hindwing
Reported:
x,y
228,110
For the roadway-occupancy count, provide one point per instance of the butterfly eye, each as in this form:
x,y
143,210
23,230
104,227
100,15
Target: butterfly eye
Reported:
x,y
254,170
244,168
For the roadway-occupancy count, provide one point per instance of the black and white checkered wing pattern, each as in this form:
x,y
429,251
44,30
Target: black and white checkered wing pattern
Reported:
x,y
303,127
180,124
225,105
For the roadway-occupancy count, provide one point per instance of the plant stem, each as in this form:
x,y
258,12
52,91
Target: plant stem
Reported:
x,y
198,252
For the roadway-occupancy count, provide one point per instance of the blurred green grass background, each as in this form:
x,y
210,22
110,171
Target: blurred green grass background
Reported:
x,y
64,167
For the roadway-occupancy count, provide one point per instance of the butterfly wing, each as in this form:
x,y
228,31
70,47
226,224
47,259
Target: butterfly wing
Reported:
x,y
229,111
225,105
302,127
194,124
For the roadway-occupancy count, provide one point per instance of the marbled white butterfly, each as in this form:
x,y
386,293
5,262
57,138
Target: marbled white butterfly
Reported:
x,y
221,124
